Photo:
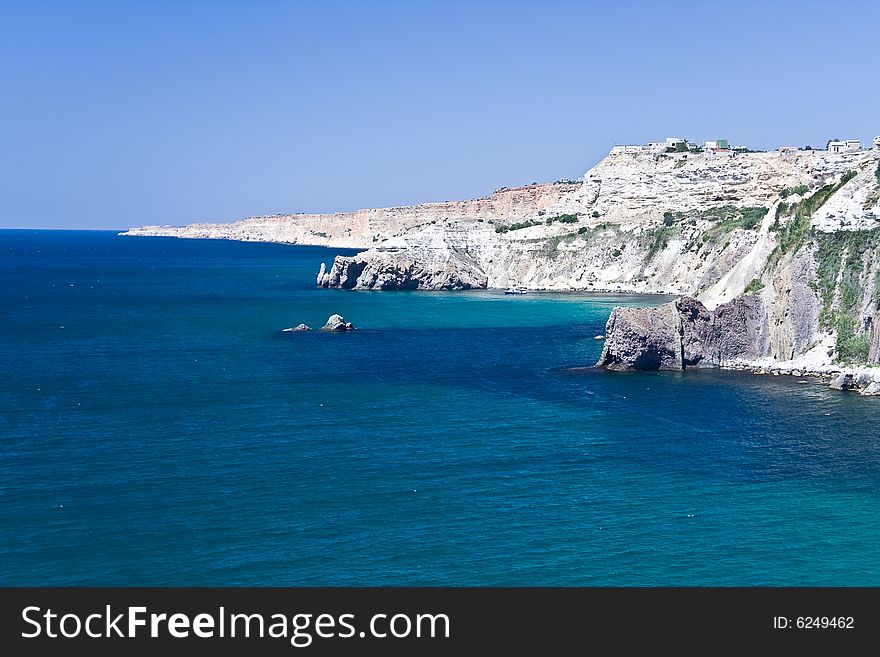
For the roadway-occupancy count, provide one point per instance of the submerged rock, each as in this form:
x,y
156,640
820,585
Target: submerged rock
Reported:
x,y
298,327
337,323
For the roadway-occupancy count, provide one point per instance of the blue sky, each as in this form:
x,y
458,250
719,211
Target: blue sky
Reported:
x,y
126,113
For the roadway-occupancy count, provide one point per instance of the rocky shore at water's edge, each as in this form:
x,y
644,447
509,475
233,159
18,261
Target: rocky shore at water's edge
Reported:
x,y
684,334
777,254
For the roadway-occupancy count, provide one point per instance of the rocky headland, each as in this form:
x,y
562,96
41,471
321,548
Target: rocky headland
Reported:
x,y
737,335
776,254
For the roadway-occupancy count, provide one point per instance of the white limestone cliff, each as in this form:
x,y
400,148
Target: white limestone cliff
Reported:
x,y
783,225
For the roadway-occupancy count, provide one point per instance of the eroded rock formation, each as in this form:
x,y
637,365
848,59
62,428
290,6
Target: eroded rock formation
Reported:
x,y
798,231
684,334
376,270
298,328
337,323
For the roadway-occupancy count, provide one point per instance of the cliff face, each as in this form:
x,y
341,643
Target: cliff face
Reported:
x,y
364,229
376,270
814,309
800,232
704,225
685,334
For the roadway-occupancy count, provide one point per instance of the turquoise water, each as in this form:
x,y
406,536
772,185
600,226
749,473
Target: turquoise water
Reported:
x,y
157,427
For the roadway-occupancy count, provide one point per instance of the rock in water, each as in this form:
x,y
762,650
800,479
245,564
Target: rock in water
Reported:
x,y
298,327
384,270
843,381
684,334
337,323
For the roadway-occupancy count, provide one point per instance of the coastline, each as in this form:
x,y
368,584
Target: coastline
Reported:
x,y
776,273
861,379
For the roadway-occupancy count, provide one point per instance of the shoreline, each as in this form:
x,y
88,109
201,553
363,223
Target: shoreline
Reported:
x,y
856,378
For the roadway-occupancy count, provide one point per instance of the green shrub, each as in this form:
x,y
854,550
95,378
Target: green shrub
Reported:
x,y
845,178
790,237
747,218
876,296
563,219
595,214
658,239
755,286
852,346
793,235
752,216
517,226
800,190
840,269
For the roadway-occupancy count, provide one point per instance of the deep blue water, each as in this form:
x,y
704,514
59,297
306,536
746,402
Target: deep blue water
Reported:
x,y
156,427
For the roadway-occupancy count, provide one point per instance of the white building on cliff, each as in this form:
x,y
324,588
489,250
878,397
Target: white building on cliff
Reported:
x,y
844,146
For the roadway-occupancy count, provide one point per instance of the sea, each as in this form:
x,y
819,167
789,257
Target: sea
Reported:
x,y
157,427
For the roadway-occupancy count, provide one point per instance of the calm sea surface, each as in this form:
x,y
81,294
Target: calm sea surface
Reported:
x,y
157,427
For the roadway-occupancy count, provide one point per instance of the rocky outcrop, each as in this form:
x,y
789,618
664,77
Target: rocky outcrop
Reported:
x,y
334,323
818,285
861,380
377,270
297,328
337,323
843,381
637,222
799,230
642,339
684,334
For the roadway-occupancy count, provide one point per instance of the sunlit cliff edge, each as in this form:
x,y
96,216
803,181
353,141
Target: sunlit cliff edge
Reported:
x,y
797,230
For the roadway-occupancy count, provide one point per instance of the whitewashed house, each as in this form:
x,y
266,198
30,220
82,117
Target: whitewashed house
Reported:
x,y
877,143
673,142
716,145
846,146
